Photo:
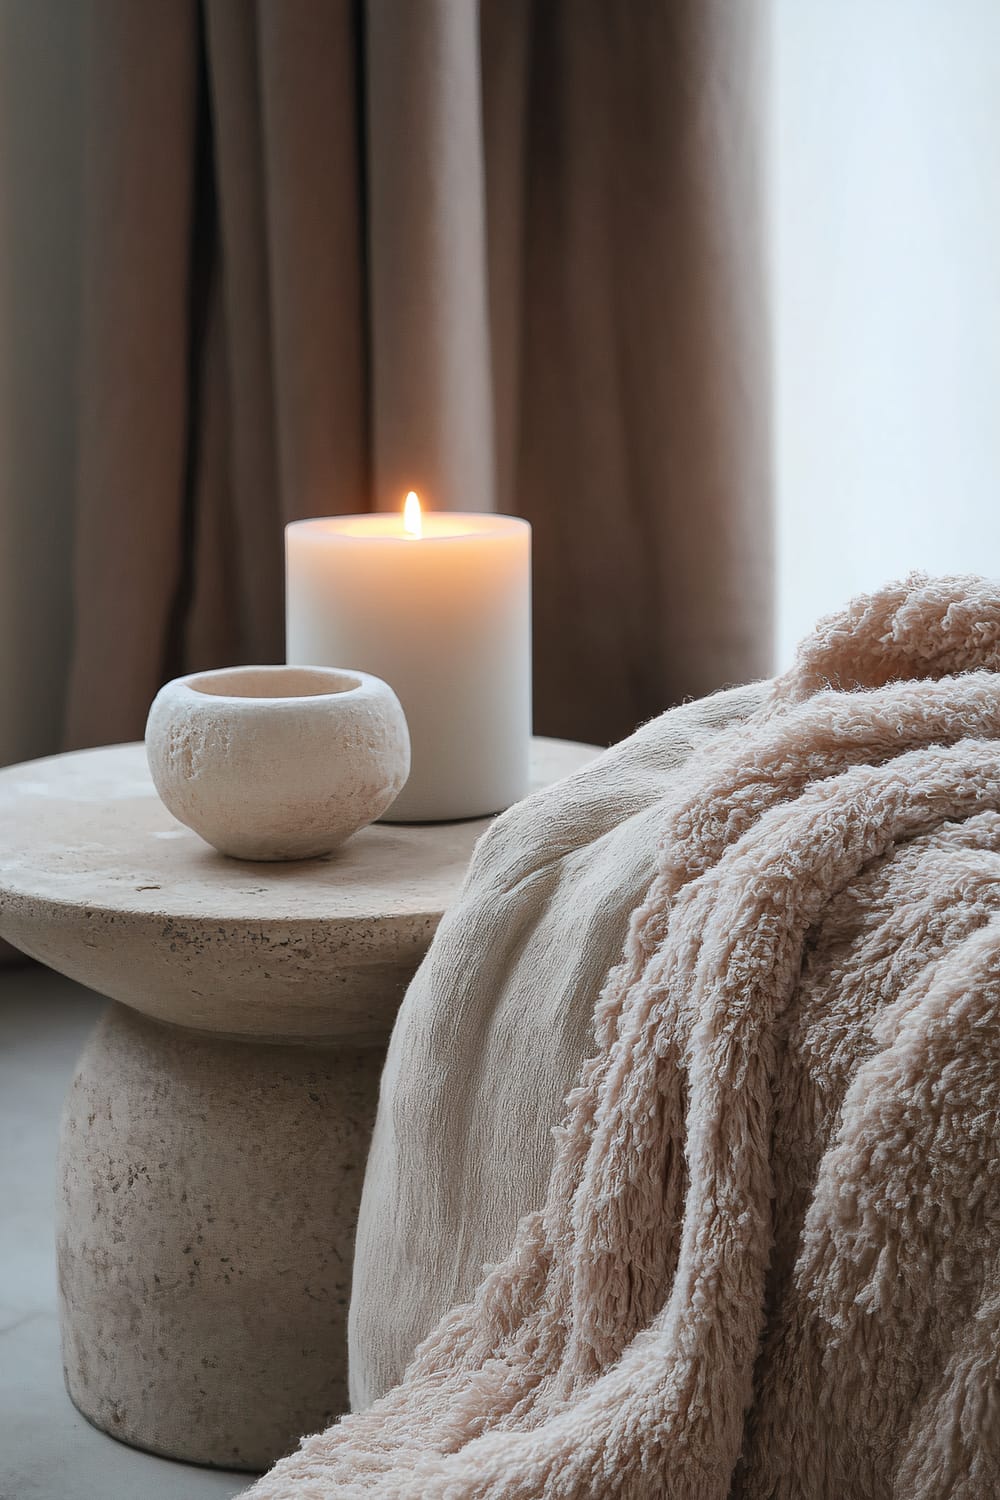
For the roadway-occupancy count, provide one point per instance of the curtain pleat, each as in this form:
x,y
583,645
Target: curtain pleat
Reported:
x,y
141,103
431,386
310,63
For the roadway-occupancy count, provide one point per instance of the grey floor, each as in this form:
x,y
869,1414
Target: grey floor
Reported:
x,y
47,1450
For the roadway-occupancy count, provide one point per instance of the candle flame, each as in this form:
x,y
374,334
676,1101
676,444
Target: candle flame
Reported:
x,y
412,519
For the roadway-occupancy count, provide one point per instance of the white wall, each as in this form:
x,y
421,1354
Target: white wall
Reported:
x,y
886,151
41,118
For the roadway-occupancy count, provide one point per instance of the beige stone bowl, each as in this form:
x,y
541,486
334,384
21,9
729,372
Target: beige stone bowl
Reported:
x,y
274,763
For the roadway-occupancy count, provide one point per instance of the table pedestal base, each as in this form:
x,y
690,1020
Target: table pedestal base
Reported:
x,y
207,1205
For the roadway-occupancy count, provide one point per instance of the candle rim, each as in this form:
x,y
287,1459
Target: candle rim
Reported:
x,y
489,523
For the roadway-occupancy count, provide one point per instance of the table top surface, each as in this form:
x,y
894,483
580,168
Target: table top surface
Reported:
x,y
100,881
88,830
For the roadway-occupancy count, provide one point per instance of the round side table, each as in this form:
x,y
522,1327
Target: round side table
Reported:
x,y
215,1133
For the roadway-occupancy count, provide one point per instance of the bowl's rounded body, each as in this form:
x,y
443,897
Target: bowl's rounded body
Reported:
x,y
270,763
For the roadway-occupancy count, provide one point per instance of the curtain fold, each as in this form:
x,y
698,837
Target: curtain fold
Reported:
x,y
431,381
508,254
141,103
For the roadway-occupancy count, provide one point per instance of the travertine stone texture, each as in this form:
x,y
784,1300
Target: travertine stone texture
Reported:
x,y
215,1135
208,1195
277,762
99,881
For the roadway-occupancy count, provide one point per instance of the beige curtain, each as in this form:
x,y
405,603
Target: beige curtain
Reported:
x,y
508,253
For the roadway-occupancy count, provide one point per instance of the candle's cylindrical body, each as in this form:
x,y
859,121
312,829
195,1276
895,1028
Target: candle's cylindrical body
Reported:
x,y
445,619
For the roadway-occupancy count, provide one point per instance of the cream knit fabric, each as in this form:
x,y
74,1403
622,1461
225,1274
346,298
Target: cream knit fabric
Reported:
x,y
768,1260
495,1028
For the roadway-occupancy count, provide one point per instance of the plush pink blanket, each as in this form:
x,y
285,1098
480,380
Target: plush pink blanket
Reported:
x,y
769,1260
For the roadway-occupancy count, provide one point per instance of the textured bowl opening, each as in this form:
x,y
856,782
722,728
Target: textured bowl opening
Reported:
x,y
274,682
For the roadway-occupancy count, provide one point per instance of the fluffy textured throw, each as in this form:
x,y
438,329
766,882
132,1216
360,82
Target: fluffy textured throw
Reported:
x,y
768,1260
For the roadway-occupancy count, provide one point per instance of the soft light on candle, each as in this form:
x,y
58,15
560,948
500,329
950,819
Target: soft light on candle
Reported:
x,y
439,605
412,515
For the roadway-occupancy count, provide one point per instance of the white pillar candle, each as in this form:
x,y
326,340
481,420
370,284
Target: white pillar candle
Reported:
x,y
439,606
